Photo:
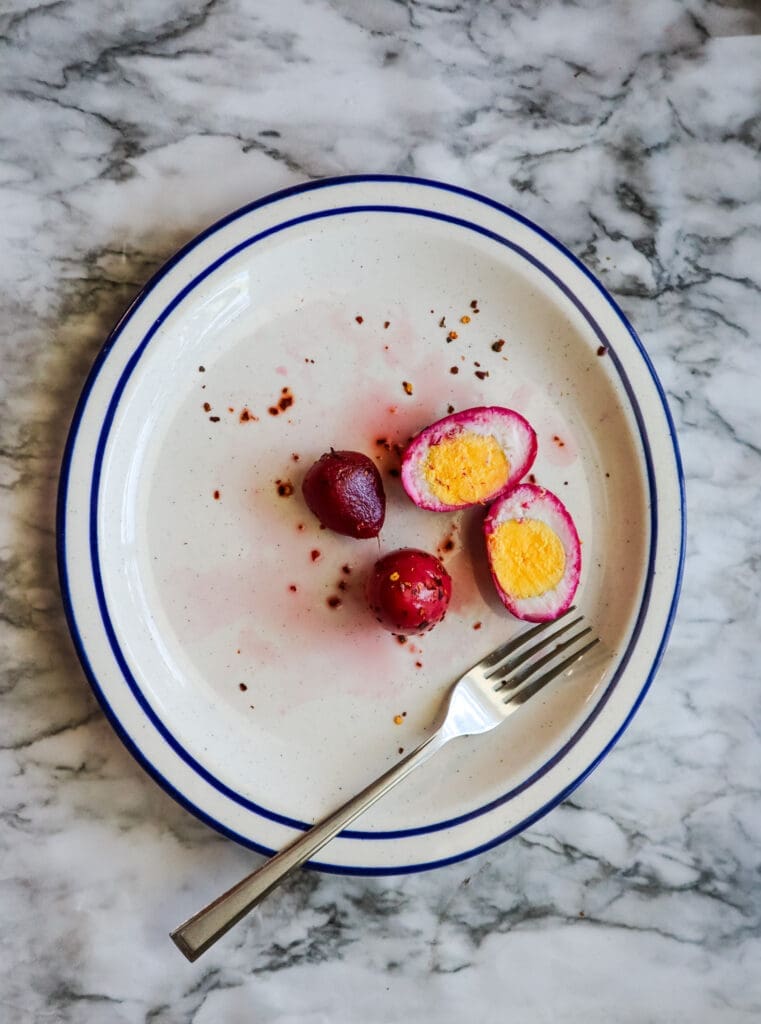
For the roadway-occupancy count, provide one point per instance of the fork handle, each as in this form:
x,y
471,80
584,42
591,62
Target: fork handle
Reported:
x,y
201,931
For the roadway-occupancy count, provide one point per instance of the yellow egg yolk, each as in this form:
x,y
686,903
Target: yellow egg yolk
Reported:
x,y
465,469
528,557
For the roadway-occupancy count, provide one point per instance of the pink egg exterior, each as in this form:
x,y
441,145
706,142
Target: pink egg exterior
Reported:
x,y
531,502
510,424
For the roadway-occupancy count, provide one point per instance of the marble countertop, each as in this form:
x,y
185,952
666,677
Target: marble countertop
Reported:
x,y
632,132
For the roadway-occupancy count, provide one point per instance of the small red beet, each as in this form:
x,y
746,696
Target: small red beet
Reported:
x,y
409,590
344,490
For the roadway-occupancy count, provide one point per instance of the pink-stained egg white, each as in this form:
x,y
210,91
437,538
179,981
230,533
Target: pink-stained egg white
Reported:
x,y
534,553
469,458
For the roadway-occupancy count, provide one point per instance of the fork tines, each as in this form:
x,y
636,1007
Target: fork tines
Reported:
x,y
513,668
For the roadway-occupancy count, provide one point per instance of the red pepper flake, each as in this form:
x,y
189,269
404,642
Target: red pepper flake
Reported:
x,y
482,374
214,419
230,409
475,363
473,303
284,488
447,544
342,585
407,387
216,495
450,409
418,664
334,602
601,350
531,478
383,442
607,475
206,407
314,554
498,345
245,416
558,441
401,750
285,401
242,687
452,336
386,324
443,322
398,719
400,638
346,569
202,369
301,527
293,588
454,369
477,625
464,319
404,714
308,360
359,319
393,472
238,651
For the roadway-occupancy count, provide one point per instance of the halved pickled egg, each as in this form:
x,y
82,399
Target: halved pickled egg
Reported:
x,y
468,458
534,553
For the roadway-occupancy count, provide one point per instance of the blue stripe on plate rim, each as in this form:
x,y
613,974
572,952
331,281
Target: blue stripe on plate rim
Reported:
x,y
167,736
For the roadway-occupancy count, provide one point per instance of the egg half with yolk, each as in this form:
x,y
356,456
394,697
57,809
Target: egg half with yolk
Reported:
x,y
534,553
468,458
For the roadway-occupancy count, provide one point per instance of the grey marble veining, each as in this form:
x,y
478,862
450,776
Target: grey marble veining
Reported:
x,y
632,131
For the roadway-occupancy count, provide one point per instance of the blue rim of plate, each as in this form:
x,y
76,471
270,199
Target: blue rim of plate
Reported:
x,y
108,628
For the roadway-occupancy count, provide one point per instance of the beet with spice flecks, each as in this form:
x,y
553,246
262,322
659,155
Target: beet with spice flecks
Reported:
x,y
408,591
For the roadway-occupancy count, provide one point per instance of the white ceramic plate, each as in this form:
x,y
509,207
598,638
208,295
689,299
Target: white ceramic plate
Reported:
x,y
260,706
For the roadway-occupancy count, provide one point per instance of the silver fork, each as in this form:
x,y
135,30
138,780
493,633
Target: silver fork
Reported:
x,y
480,700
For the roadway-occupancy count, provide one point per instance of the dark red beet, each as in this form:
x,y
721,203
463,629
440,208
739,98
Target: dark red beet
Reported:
x,y
345,492
409,591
